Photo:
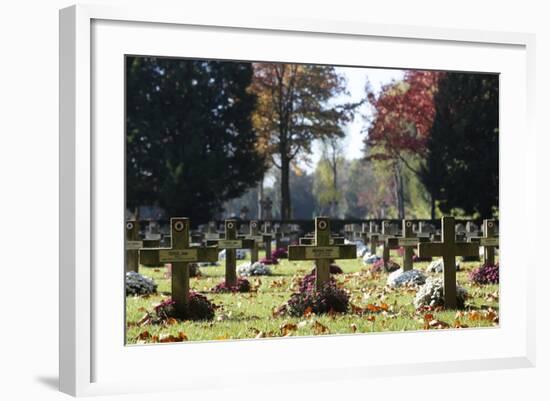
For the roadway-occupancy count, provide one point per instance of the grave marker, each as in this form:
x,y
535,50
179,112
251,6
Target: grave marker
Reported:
x,y
374,237
253,235
333,241
266,238
489,241
448,249
322,251
389,241
132,246
409,242
230,243
180,255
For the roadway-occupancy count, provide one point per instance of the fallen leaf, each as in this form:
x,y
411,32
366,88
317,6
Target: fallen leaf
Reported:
x,y
353,327
319,328
288,328
144,335
356,309
170,338
438,324
308,311
373,308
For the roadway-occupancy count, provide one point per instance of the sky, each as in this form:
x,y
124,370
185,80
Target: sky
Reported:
x,y
356,78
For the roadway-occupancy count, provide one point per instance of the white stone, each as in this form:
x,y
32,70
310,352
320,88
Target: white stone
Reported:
x,y
254,269
436,266
369,258
241,254
399,278
431,294
137,284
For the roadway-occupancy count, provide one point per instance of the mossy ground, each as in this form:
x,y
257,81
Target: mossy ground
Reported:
x,y
376,307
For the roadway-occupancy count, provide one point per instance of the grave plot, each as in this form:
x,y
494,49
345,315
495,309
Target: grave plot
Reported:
x,y
372,304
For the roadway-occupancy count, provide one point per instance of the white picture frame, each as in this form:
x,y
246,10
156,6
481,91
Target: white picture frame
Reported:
x,y
93,361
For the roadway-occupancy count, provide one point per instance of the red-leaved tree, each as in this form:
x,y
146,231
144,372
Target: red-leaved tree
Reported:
x,y
402,115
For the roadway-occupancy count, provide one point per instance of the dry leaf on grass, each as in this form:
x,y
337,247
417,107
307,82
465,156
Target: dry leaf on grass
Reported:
x,y
170,338
288,328
319,328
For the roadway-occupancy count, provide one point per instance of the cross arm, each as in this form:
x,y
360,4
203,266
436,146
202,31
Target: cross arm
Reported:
x,y
311,252
467,249
430,249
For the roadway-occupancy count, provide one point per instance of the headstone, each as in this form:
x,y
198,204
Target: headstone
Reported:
x,y
448,249
133,244
489,241
230,243
322,251
180,255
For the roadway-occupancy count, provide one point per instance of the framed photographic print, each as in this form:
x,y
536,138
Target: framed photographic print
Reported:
x,y
239,194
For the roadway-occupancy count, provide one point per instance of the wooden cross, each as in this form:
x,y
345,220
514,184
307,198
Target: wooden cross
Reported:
x,y
266,238
230,243
448,249
374,237
322,252
180,255
311,241
278,237
132,246
489,241
408,242
389,242
253,235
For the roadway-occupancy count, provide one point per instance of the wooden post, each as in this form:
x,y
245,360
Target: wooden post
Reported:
x,y
448,249
132,246
180,255
231,244
322,251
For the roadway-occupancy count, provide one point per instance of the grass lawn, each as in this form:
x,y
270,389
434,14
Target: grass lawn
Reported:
x,y
251,315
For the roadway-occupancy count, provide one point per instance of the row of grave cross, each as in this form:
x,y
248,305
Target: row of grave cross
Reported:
x,y
322,248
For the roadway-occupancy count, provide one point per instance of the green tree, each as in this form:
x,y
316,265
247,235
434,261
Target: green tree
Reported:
x,y
294,109
189,136
461,169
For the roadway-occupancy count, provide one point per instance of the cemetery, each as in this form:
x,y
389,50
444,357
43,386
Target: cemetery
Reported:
x,y
249,216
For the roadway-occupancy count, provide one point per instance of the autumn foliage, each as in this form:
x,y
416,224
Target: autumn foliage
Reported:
x,y
403,115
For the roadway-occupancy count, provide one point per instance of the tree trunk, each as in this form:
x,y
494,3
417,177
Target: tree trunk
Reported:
x,y
400,192
432,213
334,188
260,198
285,189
